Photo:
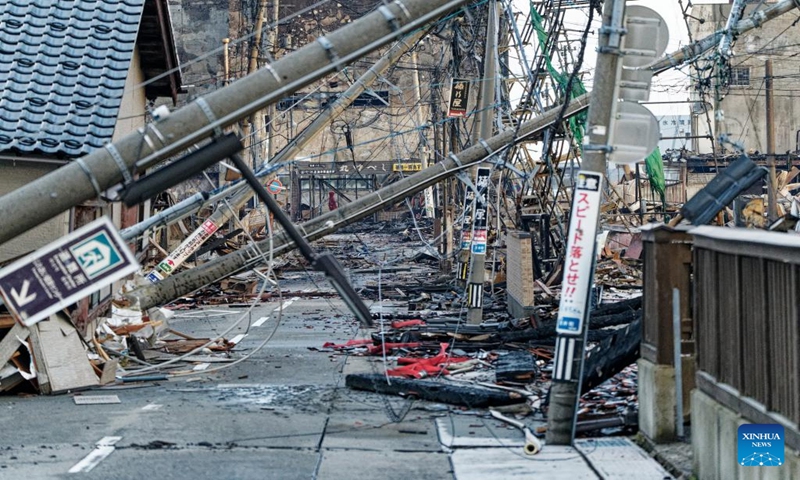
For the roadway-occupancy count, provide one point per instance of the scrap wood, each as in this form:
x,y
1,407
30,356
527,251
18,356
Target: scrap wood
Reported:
x,y
612,355
130,328
472,397
185,346
11,342
182,335
7,320
548,329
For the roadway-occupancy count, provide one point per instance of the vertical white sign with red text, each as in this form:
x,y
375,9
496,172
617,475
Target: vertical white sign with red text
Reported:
x,y
579,258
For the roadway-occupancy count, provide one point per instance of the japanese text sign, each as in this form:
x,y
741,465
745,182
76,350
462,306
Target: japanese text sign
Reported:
x,y
65,271
579,258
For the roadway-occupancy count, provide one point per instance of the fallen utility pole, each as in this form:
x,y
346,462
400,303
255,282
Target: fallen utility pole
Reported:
x,y
88,177
186,282
187,206
227,210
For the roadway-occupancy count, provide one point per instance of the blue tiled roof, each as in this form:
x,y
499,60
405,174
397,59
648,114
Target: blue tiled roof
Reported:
x,y
63,66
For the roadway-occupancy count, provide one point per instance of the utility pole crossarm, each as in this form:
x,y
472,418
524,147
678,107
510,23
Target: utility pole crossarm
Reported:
x,y
93,174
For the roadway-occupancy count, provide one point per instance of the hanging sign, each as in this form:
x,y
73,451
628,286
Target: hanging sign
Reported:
x,y
579,262
475,220
459,96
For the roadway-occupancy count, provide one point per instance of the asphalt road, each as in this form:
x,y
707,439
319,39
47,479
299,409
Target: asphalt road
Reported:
x,y
284,413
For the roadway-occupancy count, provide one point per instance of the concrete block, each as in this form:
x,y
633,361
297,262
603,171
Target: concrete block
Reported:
x,y
656,401
705,432
714,443
791,469
727,440
516,309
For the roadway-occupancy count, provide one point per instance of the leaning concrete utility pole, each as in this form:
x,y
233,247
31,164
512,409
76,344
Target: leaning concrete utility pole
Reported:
x,y
271,110
574,314
248,257
227,210
480,210
772,187
254,128
423,149
91,175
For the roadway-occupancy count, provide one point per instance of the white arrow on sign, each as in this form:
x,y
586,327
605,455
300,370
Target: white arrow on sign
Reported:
x,y
22,298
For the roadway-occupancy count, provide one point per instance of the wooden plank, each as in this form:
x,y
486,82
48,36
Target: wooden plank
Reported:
x,y
10,344
10,382
7,321
61,360
38,360
109,372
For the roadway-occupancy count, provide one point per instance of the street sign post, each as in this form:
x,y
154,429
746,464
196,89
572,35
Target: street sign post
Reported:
x,y
275,186
65,271
579,265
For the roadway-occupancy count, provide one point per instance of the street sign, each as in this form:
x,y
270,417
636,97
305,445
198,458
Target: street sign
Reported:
x,y
479,242
477,202
580,254
634,135
65,271
275,186
185,250
646,39
459,97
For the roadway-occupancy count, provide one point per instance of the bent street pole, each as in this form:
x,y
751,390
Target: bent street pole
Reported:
x,y
573,312
187,282
227,210
91,175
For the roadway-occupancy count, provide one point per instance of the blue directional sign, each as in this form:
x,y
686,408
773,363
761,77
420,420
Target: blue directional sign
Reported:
x,y
66,271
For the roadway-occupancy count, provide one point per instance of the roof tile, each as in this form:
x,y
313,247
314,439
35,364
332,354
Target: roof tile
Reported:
x,y
63,67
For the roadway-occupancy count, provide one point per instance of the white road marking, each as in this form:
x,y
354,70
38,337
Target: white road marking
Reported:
x,y
102,449
284,306
238,338
260,321
152,406
201,366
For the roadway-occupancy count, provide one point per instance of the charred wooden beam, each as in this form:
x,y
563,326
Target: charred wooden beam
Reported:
x,y
471,397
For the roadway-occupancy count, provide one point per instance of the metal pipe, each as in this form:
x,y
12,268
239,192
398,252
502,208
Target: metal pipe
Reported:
x,y
677,361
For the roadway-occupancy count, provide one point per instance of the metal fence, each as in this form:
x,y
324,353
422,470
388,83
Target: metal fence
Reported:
x,y
747,323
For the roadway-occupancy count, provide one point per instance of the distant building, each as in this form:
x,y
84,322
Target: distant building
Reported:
x,y
742,111
71,80
676,132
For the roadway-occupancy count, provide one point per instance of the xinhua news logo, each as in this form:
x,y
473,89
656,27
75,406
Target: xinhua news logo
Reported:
x,y
760,445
